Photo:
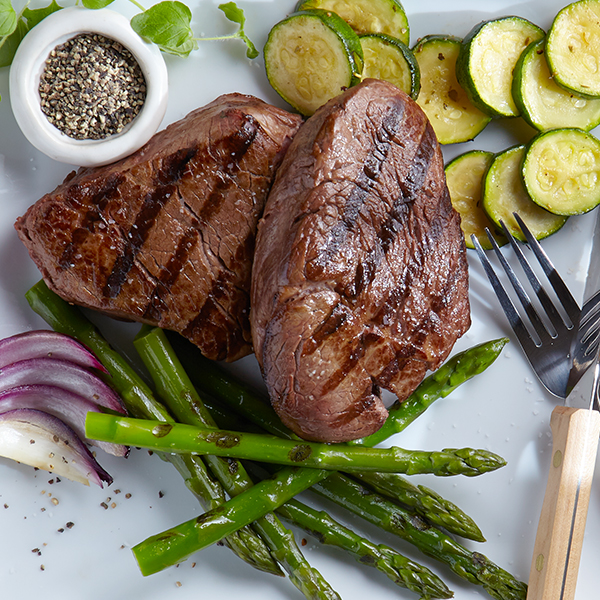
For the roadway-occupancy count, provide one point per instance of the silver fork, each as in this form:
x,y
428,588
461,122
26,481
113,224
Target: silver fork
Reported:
x,y
547,341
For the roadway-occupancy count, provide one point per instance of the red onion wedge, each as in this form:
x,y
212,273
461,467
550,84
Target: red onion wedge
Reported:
x,y
46,343
63,374
41,440
67,406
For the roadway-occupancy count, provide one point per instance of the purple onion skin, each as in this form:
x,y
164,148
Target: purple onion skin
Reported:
x,y
45,343
61,373
42,440
69,407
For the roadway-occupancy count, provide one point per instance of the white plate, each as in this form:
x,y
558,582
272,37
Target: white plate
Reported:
x,y
504,410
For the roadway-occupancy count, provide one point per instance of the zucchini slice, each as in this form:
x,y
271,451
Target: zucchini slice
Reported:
x,y
542,103
487,59
505,194
452,115
387,58
311,57
464,176
367,16
573,48
561,171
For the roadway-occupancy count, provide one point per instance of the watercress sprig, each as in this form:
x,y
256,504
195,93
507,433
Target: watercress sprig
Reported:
x,y
167,24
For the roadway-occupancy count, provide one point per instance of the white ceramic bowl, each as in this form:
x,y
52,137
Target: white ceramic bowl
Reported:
x,y
28,66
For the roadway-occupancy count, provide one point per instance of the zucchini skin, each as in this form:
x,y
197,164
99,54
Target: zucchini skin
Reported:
x,y
547,175
347,38
542,102
465,175
410,62
470,80
454,118
399,30
504,193
586,85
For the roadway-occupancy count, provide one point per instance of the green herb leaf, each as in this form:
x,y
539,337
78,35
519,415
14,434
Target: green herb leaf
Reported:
x,y
9,44
167,24
37,15
236,15
96,4
8,18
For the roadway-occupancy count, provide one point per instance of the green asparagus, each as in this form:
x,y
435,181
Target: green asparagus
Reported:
x,y
140,401
439,384
184,439
472,566
180,396
249,404
425,502
401,570
182,399
174,545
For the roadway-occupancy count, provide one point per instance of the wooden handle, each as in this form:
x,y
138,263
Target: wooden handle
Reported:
x,y
557,548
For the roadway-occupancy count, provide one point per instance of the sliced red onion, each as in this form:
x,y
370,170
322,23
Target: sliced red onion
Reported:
x,y
63,374
69,407
41,440
46,343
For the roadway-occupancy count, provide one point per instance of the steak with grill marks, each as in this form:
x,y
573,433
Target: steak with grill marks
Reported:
x,y
166,236
360,277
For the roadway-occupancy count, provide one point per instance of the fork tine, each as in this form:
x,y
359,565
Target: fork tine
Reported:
x,y
508,307
536,322
556,319
562,291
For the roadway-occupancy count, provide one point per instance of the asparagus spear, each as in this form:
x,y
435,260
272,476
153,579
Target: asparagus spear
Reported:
x,y
182,399
180,396
424,502
244,400
173,545
140,401
213,380
472,566
439,384
182,438
401,570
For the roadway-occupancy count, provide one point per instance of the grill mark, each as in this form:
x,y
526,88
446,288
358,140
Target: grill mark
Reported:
x,y
93,215
410,188
136,237
364,184
350,362
173,167
237,145
208,316
170,272
335,321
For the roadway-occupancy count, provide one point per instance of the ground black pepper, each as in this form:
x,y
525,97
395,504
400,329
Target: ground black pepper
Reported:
x,y
91,87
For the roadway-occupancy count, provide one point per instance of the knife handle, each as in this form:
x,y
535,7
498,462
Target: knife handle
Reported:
x,y
559,538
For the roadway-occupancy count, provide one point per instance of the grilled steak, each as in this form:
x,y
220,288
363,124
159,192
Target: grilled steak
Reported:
x,y
360,277
166,236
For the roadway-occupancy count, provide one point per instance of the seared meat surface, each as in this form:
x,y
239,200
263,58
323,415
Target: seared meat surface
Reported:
x,y
166,236
360,277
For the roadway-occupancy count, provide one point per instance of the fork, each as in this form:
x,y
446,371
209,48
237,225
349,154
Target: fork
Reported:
x,y
547,341
548,344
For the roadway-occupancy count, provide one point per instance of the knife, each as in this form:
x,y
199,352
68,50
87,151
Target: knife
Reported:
x,y
575,434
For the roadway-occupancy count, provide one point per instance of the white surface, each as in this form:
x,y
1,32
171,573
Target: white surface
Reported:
x,y
504,410
28,65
